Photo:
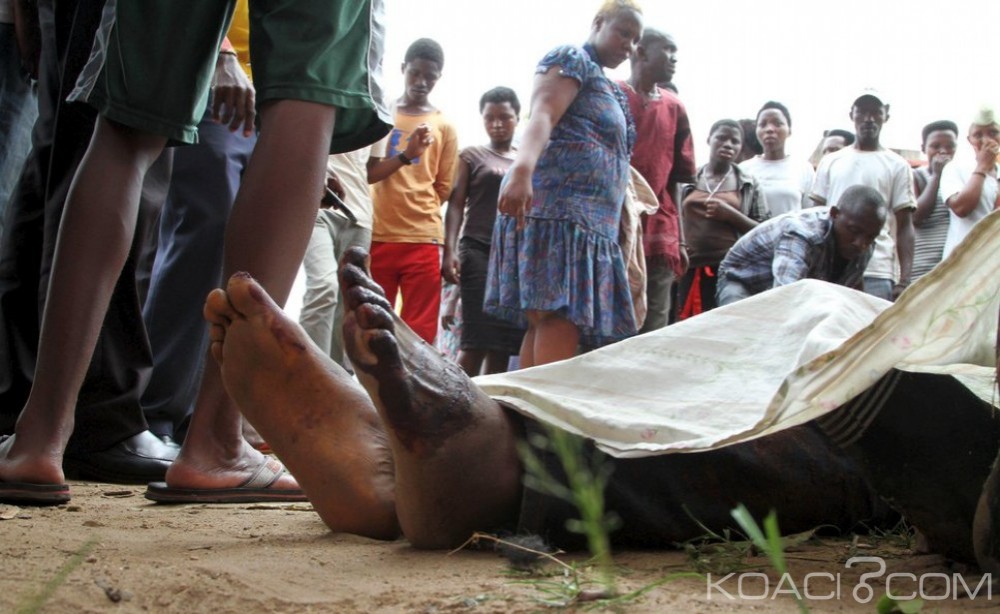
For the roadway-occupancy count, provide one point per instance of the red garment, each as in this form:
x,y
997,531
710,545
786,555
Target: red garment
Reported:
x,y
415,270
663,154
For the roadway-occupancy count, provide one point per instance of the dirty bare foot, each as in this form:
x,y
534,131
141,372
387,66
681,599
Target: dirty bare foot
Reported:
x,y
314,416
457,469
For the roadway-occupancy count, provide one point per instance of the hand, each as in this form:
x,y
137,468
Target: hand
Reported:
x,y
685,260
419,141
333,182
937,164
233,96
451,267
516,194
986,157
447,320
715,209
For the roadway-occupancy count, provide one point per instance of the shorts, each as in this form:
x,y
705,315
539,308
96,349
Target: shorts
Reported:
x,y
152,63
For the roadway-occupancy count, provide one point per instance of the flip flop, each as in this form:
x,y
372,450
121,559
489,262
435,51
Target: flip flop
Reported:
x,y
30,493
257,489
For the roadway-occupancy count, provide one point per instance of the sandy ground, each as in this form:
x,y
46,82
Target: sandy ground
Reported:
x,y
112,550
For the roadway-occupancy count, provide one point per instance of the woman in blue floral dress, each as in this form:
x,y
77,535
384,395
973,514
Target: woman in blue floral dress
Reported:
x,y
555,263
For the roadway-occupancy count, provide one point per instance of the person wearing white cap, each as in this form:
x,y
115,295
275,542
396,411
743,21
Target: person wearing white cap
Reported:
x,y
970,188
868,163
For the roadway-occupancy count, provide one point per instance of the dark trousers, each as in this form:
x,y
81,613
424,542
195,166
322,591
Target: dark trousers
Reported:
x,y
188,265
108,409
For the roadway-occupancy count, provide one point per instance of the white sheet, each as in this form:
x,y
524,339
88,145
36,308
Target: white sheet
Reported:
x,y
772,361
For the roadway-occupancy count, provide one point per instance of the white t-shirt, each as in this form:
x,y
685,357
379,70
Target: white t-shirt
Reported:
x,y
784,182
352,170
953,178
883,170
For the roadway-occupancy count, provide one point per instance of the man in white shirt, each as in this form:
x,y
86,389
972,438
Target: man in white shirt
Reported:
x,y
970,188
868,163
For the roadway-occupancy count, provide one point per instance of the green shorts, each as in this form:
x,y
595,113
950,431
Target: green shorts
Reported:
x,y
153,61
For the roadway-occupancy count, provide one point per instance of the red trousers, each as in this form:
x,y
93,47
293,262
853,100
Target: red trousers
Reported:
x,y
413,269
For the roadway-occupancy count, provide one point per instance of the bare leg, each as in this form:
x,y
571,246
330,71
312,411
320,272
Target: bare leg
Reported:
x,y
471,361
267,235
94,238
496,362
317,419
554,338
457,468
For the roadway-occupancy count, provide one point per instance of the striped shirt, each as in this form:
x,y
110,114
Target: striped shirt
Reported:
x,y
929,237
796,245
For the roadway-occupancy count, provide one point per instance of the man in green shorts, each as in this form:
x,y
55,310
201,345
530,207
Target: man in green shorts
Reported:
x,y
317,65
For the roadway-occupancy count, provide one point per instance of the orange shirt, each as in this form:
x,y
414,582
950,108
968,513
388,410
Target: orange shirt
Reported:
x,y
408,202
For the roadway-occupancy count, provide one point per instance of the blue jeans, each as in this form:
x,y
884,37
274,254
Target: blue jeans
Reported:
x,y
876,286
18,111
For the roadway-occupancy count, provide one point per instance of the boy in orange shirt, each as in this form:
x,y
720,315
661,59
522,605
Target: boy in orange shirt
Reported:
x,y
408,230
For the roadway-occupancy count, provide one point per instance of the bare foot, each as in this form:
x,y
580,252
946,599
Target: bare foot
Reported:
x,y
457,469
315,417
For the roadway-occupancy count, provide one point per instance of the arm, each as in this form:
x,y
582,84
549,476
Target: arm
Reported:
x,y
416,145
448,160
233,96
927,192
28,34
552,95
904,248
821,183
789,264
965,202
450,267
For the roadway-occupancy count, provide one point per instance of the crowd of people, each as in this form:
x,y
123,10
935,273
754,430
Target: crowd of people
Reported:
x,y
112,239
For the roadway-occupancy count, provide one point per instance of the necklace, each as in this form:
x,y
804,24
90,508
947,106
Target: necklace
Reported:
x,y
712,191
647,97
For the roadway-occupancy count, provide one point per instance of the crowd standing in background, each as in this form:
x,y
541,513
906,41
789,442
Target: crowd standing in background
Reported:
x,y
305,166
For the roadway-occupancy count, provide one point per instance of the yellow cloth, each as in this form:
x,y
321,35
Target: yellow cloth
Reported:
x,y
239,34
408,202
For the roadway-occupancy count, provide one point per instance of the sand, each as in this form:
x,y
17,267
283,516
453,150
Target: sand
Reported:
x,y
111,550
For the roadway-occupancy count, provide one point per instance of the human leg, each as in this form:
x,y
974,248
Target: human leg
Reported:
x,y
317,419
457,469
659,279
320,299
553,338
188,265
18,111
94,239
287,166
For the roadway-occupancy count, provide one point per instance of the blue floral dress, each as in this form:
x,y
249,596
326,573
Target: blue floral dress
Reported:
x,y
567,259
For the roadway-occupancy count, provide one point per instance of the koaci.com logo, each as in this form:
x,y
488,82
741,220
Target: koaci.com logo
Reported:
x,y
824,586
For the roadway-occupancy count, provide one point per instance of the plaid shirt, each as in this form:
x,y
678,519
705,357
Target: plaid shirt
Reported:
x,y
796,245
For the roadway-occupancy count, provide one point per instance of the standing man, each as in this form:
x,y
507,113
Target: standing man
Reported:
x,y
664,156
970,188
408,230
868,163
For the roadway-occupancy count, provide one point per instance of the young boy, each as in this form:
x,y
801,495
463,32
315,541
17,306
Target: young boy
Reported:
x,y
407,232
487,343
930,218
722,204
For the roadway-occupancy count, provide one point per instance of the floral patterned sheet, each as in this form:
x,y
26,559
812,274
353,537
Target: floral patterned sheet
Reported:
x,y
772,361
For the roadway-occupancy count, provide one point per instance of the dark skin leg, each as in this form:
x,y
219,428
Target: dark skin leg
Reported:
x,y
482,362
94,238
314,415
267,235
457,469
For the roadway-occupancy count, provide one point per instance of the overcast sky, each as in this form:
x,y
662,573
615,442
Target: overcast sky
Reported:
x,y
734,56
